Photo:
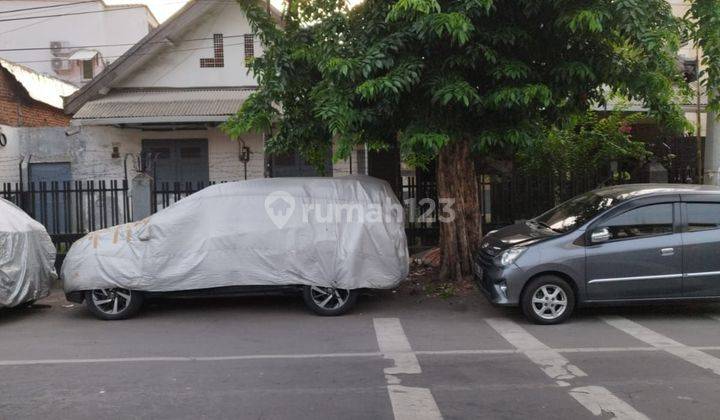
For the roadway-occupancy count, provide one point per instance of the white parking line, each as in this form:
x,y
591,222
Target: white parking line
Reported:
x,y
596,399
479,352
408,403
655,339
393,344
599,400
550,361
184,358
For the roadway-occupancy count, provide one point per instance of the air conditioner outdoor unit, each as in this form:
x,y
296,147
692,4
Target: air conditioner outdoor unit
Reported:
x,y
58,48
60,64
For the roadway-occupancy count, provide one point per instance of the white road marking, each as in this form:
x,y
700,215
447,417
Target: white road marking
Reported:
x,y
479,352
411,403
408,403
185,358
393,344
550,361
598,400
655,339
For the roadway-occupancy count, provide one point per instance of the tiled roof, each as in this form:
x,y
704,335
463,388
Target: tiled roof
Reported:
x,y
153,103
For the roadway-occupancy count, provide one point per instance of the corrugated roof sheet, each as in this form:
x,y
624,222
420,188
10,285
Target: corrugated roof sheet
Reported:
x,y
40,87
83,55
165,103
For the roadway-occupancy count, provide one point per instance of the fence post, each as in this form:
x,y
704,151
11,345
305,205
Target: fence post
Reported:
x,y
141,196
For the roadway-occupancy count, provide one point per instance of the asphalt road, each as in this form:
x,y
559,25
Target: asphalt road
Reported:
x,y
392,358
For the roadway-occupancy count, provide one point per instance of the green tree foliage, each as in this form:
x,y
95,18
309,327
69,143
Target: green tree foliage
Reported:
x,y
443,78
703,23
427,72
585,145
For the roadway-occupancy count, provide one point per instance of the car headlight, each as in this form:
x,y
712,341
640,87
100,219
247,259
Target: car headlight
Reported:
x,y
509,256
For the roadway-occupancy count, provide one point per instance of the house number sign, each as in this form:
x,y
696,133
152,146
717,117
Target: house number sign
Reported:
x,y
3,140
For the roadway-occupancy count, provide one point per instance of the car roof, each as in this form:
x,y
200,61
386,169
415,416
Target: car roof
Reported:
x,y
628,191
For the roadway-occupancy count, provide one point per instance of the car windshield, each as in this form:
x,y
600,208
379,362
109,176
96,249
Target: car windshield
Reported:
x,y
575,212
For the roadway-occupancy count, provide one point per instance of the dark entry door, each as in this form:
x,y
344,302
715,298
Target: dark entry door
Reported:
x,y
173,161
48,203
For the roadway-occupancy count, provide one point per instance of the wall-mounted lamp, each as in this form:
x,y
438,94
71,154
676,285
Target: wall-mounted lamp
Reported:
x,y
244,154
244,157
72,130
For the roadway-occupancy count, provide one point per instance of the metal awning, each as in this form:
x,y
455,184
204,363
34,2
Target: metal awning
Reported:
x,y
83,55
138,106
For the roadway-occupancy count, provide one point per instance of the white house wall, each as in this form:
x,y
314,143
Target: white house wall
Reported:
x,y
9,156
89,151
179,65
113,26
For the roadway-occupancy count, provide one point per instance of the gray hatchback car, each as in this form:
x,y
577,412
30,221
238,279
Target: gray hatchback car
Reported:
x,y
627,243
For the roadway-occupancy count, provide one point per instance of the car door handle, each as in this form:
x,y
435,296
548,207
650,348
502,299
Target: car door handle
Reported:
x,y
666,252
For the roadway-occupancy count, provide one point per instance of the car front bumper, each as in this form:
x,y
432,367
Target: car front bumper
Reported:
x,y
501,285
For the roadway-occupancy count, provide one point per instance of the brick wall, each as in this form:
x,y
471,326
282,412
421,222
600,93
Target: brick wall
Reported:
x,y
18,109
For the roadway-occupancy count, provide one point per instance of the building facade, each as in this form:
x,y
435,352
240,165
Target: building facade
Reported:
x,y
158,108
30,115
72,41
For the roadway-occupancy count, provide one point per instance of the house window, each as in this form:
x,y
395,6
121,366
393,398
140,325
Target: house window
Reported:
x,y
249,49
87,69
218,59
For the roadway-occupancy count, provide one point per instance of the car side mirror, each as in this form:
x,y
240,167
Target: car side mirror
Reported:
x,y
600,235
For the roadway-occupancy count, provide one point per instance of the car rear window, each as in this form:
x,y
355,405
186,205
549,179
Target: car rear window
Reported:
x,y
703,216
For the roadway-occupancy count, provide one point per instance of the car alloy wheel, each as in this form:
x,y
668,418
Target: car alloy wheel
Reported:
x,y
549,302
329,301
114,303
111,301
329,298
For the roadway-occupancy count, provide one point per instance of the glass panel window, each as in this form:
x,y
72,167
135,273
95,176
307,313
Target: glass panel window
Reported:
x,y
87,68
702,216
656,219
249,49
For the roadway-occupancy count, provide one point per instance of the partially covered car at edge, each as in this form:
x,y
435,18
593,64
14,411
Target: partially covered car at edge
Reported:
x,y
27,258
324,238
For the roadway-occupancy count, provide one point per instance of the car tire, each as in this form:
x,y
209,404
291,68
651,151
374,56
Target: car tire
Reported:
x,y
113,304
328,301
548,300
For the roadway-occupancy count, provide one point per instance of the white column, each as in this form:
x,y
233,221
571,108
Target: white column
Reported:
x,y
712,150
141,193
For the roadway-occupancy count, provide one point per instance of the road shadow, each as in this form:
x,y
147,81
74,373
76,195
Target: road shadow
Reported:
x,y
19,313
653,310
230,305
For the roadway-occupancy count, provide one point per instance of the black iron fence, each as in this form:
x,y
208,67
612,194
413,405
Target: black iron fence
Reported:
x,y
70,209
504,199
166,193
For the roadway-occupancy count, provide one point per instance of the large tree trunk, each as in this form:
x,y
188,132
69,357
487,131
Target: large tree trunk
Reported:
x,y
459,236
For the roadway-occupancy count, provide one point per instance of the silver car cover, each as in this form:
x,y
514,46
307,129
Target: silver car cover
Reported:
x,y
27,257
343,232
